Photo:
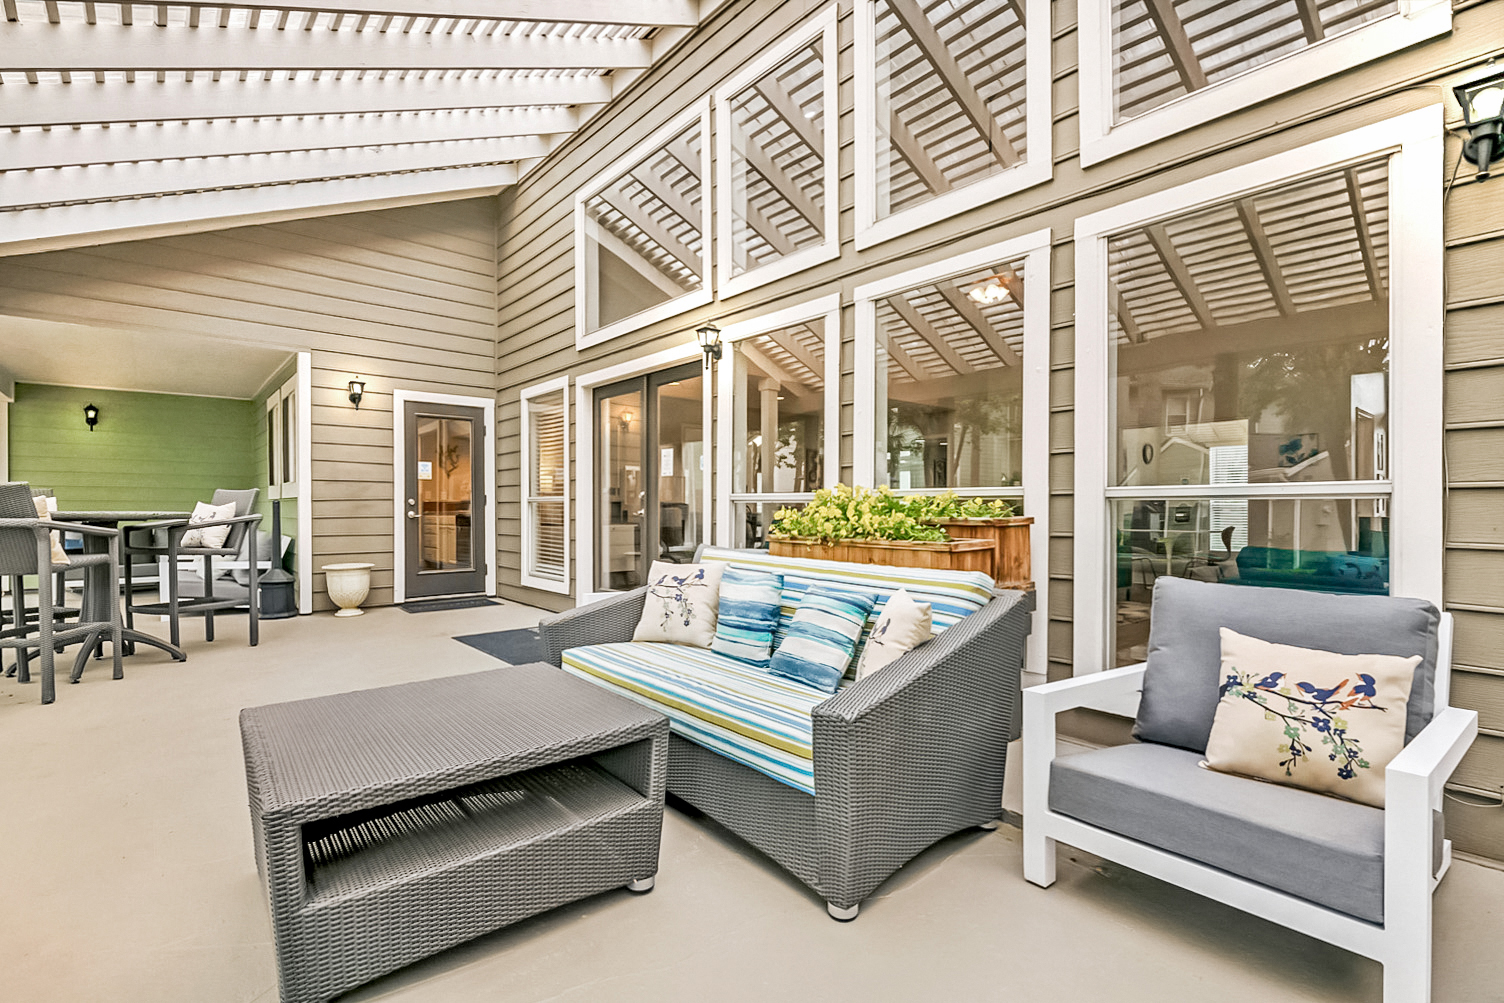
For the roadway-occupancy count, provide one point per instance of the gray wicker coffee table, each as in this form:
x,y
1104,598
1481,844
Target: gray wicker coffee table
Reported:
x,y
393,823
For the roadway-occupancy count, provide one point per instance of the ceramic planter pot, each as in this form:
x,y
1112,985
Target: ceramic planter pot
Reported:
x,y
348,585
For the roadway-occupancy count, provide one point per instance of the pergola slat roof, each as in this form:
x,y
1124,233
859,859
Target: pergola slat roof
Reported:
x,y
106,101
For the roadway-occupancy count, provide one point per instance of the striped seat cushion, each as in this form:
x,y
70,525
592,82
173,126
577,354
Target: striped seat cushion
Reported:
x,y
951,594
730,707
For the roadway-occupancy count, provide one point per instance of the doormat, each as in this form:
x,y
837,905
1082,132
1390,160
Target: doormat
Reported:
x,y
515,647
430,605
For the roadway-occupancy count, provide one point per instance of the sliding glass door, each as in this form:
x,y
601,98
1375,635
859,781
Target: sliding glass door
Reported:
x,y
650,468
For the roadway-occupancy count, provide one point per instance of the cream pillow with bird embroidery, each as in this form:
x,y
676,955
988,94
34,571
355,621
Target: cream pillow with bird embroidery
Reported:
x,y
904,625
682,603
1307,718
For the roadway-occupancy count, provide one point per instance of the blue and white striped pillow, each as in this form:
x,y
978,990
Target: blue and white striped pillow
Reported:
x,y
748,613
822,636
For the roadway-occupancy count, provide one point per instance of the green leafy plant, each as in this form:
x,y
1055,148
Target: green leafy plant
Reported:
x,y
844,513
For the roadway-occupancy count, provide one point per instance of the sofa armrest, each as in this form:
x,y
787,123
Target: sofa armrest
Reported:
x,y
1114,685
607,621
1430,757
922,742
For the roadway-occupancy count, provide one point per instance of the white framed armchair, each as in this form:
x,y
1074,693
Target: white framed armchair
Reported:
x,y
1351,875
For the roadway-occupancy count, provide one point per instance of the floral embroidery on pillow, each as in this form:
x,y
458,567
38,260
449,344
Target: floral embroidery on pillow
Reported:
x,y
1308,706
674,592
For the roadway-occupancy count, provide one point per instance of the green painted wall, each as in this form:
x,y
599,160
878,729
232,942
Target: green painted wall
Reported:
x,y
148,451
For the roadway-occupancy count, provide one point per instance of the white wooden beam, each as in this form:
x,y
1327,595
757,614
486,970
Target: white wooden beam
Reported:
x,y
1264,251
787,188
637,12
67,147
950,73
802,355
916,156
111,181
30,47
904,360
1124,314
634,260
1185,282
1365,240
926,331
85,101
1177,43
962,304
782,103
31,231
659,234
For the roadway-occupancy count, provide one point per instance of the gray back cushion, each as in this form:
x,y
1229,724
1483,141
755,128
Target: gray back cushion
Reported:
x,y
244,501
1183,680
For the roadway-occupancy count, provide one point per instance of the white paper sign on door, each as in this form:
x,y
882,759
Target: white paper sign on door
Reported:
x,y
425,470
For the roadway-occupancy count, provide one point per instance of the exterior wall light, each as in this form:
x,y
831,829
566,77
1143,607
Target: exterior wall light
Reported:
x,y
709,337
357,391
1483,113
91,416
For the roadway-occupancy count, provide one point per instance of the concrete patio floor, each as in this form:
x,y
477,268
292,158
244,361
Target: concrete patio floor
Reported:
x,y
127,875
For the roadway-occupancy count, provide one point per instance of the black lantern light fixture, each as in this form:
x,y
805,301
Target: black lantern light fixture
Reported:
x,y
709,337
1483,114
91,416
357,391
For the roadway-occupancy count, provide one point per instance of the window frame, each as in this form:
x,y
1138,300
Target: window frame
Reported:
x,y
1038,168
282,441
1101,139
1413,142
822,26
826,309
558,386
1035,249
585,283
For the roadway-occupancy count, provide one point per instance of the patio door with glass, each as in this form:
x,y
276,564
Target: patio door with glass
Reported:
x,y
650,463
444,452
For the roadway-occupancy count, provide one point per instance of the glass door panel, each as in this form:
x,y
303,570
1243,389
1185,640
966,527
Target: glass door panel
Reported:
x,y
679,460
444,494
622,503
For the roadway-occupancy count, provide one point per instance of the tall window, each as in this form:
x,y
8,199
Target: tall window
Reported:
x,y
778,160
282,441
952,108
641,234
952,384
780,418
1254,370
545,486
1151,68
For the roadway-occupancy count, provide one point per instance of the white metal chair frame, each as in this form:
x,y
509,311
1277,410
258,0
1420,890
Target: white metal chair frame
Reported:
x,y
1412,790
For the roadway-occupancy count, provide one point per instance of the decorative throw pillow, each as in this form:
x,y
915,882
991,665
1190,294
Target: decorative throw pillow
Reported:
x,y
822,636
747,614
681,604
905,624
1307,718
212,538
44,506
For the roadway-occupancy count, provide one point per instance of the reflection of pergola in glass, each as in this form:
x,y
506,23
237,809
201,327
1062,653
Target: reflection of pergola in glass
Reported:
x,y
785,410
778,163
646,231
954,383
951,95
1164,49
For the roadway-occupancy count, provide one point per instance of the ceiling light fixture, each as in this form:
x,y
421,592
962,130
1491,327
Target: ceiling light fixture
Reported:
x,y
989,291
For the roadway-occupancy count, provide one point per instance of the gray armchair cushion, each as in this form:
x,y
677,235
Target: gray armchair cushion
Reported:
x,y
1183,678
1319,848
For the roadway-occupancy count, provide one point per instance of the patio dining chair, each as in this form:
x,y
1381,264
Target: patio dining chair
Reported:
x,y
164,539
26,552
1353,875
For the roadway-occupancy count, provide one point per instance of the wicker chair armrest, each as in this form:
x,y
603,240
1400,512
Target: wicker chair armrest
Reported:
x,y
159,524
85,529
604,622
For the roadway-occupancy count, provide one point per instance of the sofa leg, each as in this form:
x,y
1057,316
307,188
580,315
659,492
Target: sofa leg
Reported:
x,y
643,885
1039,858
843,914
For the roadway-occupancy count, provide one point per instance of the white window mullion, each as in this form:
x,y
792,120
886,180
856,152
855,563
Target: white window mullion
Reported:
x,y
545,494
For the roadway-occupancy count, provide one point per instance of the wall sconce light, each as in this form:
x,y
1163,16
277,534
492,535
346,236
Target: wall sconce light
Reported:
x,y
624,420
709,337
91,416
1483,113
357,391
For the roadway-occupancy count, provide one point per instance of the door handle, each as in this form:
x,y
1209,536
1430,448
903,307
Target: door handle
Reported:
x,y
411,514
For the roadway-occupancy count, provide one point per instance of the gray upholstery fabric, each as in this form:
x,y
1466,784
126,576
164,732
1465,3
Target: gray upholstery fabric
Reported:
x,y
1183,678
1319,848
245,504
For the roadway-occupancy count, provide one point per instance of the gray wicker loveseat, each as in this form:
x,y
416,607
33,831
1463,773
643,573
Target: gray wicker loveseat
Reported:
x,y
849,787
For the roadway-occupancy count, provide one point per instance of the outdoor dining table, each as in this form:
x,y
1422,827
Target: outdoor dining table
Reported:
x,y
99,591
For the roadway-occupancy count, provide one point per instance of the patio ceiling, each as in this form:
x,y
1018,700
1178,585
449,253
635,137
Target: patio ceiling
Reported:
x,y
123,117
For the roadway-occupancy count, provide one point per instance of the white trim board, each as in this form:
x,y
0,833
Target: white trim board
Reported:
x,y
584,453
826,308
823,27
559,385
1101,139
487,405
1414,143
584,278
1034,249
304,461
1037,168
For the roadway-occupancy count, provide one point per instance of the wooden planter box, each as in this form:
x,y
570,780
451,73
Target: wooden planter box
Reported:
x,y
952,555
1011,565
